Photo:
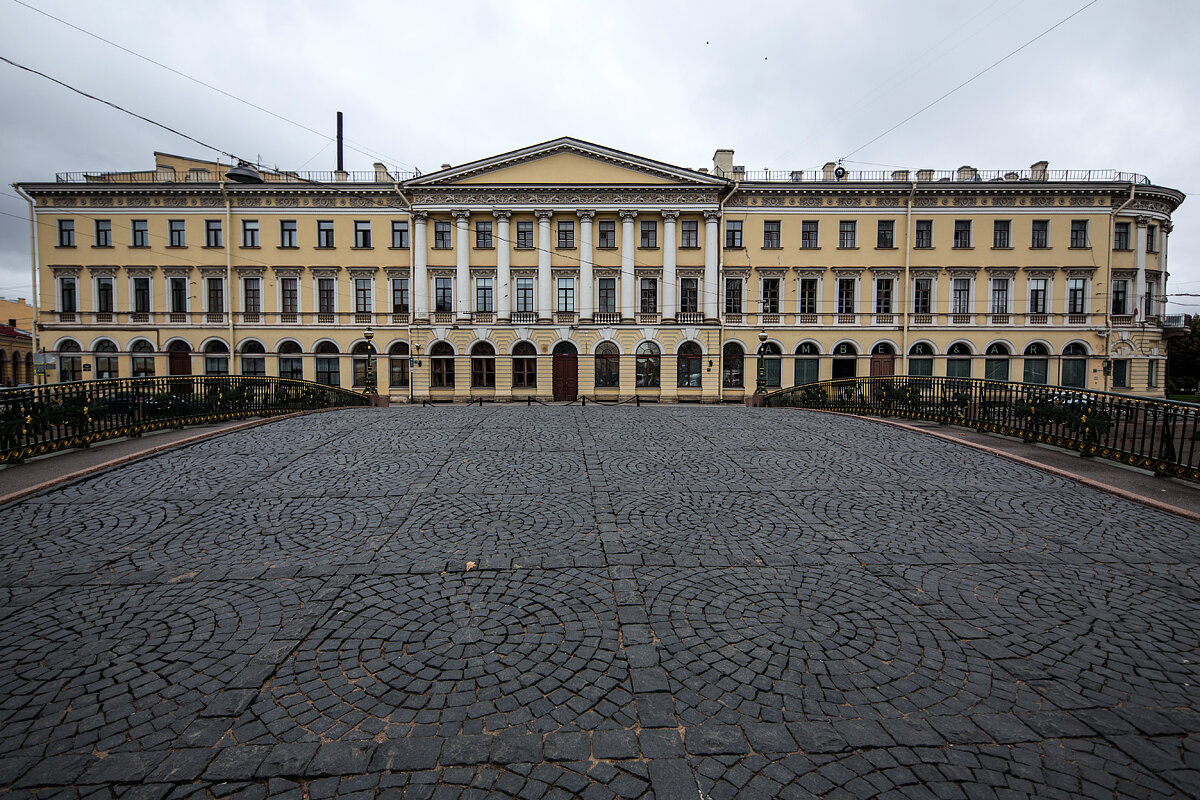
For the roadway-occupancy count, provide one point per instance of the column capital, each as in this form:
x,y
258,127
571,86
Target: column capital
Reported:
x,y
1166,226
586,215
627,214
712,215
503,216
671,215
543,214
461,214
1142,221
420,216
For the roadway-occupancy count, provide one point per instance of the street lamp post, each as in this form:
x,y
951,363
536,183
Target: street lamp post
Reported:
x,y
370,384
761,388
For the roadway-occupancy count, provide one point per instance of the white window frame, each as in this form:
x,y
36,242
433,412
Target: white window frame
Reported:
x,y
725,295
132,282
875,300
224,294
820,293
1086,295
251,225
559,283
762,294
279,294
1008,295
59,282
933,294
316,295
242,294
475,294
837,294
374,295
1049,305
187,294
96,294
970,294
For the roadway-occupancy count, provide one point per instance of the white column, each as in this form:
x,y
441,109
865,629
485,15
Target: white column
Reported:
x,y
670,306
711,251
585,265
628,275
1139,285
503,263
545,289
420,287
462,264
1165,227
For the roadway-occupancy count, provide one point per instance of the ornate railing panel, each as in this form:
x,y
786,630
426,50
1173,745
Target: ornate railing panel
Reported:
x,y
41,419
1162,435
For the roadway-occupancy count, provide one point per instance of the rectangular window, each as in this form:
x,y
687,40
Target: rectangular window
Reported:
x,y
1121,236
771,234
649,296
733,295
649,229
999,295
443,294
1079,233
326,295
1037,295
179,295
689,295
483,236
1151,238
1076,295
362,233
689,233
400,234
770,295
324,233
139,233
525,235
104,295
608,296
883,296
606,233
566,234
808,295
733,233
1151,374
66,233
525,294
399,295
1002,234
216,295
141,295
176,233
962,233
808,234
68,296
566,294
923,296
847,234
289,295
252,290
212,233
845,295
1041,234
923,238
1120,298
441,235
885,234
483,295
249,233
363,288
1120,373
961,296
103,233
287,233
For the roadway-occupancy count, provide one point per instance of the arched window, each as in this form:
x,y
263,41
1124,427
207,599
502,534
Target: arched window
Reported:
x,y
398,364
254,358
733,370
1037,364
845,361
524,357
958,361
142,359
995,366
883,349
360,357
1074,366
608,365
106,359
4,379
771,364
689,360
17,375
648,363
808,363
328,372
483,366
216,358
291,362
920,360
70,363
441,366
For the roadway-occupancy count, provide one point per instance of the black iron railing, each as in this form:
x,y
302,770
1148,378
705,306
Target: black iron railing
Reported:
x,y
41,419
1161,435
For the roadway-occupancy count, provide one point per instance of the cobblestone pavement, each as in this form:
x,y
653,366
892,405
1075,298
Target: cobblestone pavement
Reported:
x,y
670,602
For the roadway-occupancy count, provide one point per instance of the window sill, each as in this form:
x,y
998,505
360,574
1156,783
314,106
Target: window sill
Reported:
x,y
764,247
102,247
995,247
519,247
814,247
176,247
1122,249
476,247
1080,247
852,247
435,247
962,247
324,247
249,247
139,247
1043,247
362,248
886,247
924,247
647,247
606,247
398,248
690,247
734,247
572,248
287,247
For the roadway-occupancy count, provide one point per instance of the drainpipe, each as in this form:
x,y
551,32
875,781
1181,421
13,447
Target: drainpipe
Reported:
x,y
912,191
1112,225
412,290
229,274
720,313
33,255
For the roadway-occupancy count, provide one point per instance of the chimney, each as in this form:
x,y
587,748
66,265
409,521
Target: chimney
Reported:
x,y
900,175
924,174
1012,176
828,170
967,173
722,163
381,173
797,175
445,166
739,173
1039,170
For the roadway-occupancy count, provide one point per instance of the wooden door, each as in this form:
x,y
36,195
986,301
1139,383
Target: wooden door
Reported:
x,y
566,372
179,362
883,364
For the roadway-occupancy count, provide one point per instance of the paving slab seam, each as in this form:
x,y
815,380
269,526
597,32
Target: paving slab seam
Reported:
x,y
1062,473
71,477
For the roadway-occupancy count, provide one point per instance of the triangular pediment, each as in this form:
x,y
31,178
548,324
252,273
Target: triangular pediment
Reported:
x,y
566,161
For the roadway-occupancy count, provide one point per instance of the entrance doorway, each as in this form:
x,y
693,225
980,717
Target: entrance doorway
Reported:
x,y
179,359
566,371
883,360
845,361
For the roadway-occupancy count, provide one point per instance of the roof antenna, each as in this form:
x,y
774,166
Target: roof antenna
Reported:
x,y
339,141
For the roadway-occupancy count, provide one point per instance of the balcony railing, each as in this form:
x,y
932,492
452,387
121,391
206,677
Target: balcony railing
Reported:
x,y
215,176
689,318
647,318
936,176
524,318
1077,319
483,317
566,318
885,319
1121,320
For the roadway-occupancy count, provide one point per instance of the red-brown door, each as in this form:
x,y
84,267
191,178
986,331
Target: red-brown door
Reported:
x,y
566,371
883,364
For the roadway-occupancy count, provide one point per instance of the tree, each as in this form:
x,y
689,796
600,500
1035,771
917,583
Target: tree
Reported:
x,y
1183,360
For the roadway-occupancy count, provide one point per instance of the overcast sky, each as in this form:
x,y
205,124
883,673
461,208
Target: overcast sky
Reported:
x,y
787,85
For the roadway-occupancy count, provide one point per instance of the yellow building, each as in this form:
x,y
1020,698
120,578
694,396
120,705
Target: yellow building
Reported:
x,y
568,268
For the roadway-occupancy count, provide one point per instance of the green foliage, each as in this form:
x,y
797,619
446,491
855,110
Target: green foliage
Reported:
x,y
1183,361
